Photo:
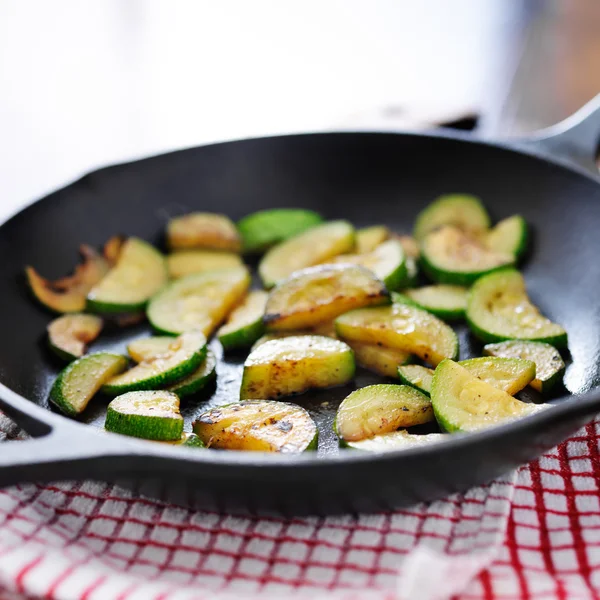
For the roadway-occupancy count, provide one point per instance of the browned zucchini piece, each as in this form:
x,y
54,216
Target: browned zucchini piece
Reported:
x,y
68,294
203,230
69,335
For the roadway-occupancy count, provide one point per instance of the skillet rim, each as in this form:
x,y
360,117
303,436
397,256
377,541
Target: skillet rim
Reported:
x,y
571,404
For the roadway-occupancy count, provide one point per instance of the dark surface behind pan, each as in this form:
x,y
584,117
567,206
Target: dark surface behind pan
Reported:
x,y
368,178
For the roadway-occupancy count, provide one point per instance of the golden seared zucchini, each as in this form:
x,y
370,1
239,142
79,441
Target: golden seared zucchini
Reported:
x,y
396,440
509,237
368,238
150,415
277,335
70,334
152,349
462,402
387,261
462,211
245,324
112,249
139,273
379,409
409,245
401,327
447,302
499,309
265,228
312,247
319,294
295,364
549,365
203,230
68,294
200,301
510,375
379,359
182,357
189,262
259,426
449,255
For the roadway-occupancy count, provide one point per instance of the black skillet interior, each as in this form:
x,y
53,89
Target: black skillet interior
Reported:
x,y
368,178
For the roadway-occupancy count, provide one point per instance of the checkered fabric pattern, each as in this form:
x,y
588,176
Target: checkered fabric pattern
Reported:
x,y
533,534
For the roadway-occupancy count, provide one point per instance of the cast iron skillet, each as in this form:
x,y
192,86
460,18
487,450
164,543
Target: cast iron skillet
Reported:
x,y
367,177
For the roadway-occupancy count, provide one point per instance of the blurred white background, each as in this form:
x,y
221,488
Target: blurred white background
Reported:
x,y
87,83
84,84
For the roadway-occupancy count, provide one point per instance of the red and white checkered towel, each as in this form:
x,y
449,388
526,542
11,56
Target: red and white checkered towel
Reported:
x,y
533,534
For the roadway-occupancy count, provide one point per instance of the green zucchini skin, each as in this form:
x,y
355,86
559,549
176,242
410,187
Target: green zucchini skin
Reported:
x,y
161,427
60,394
405,380
464,278
516,226
474,315
549,363
265,228
454,313
160,378
461,210
199,379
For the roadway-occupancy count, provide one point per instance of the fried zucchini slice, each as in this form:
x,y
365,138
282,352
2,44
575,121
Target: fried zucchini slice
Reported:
x,y
509,237
447,302
245,324
200,301
150,415
462,402
189,262
396,440
463,211
112,249
203,230
152,348
451,256
387,261
181,358
258,426
199,380
77,383
139,273
499,309
416,376
401,327
379,409
379,359
368,238
314,246
69,335
319,294
68,294
295,364
508,375
265,228
549,365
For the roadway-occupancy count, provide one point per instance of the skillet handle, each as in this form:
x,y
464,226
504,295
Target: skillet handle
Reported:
x,y
59,449
575,139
